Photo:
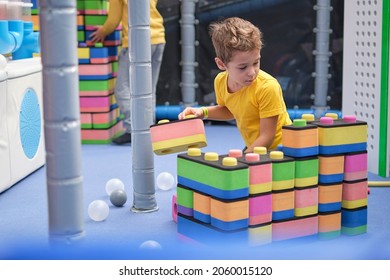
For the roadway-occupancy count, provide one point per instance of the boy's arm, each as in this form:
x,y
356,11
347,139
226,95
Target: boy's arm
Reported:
x,y
113,19
217,112
266,137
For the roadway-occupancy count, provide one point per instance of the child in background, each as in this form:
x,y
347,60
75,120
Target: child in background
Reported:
x,y
118,14
244,92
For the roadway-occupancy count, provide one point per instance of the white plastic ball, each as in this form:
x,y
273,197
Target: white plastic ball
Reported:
x,y
165,181
114,184
98,210
150,245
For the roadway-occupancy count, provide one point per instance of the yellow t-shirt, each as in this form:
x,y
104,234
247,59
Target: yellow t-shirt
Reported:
x,y
157,30
118,14
262,99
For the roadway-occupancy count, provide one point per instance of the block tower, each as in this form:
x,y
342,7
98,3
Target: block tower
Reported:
x,y
101,120
314,185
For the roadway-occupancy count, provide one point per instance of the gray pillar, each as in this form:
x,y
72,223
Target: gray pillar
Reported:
x,y
141,106
62,119
188,42
322,55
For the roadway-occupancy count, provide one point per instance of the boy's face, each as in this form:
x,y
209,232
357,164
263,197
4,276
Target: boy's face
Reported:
x,y
242,69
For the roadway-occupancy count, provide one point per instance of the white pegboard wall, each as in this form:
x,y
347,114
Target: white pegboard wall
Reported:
x,y
362,68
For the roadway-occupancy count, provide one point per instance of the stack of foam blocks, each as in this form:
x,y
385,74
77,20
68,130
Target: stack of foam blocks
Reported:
x,y
101,120
314,185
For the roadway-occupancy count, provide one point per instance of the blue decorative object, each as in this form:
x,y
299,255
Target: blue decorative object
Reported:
x,y
30,123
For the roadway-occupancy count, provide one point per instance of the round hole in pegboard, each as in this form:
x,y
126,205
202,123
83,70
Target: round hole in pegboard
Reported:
x,y
30,123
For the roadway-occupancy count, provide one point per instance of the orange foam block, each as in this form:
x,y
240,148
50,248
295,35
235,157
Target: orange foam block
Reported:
x,y
177,136
202,207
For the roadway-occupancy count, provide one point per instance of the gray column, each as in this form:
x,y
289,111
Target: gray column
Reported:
x,y
188,42
322,55
141,106
62,119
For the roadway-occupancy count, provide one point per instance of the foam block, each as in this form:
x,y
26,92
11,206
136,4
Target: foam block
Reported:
x,y
229,214
97,104
283,204
330,197
202,207
260,234
101,136
294,228
106,119
208,173
355,194
185,201
260,173
306,171
354,221
86,120
331,168
174,208
260,209
97,87
95,71
283,171
300,139
208,234
355,166
306,201
329,225
346,135
177,136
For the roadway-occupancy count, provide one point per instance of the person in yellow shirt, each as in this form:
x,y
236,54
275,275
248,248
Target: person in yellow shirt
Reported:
x,y
244,92
118,14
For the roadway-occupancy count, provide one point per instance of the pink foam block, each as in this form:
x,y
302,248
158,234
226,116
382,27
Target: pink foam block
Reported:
x,y
99,60
306,197
260,204
95,69
260,209
355,167
178,136
101,134
294,228
95,104
259,174
86,118
103,118
176,129
355,190
174,208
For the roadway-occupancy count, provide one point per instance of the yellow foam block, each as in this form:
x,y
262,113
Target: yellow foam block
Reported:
x,y
342,135
83,53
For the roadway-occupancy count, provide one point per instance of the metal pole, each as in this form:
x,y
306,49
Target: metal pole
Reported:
x,y
141,106
322,55
62,119
188,42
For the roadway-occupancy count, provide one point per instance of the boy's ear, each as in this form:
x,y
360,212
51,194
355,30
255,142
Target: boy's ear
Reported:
x,y
220,64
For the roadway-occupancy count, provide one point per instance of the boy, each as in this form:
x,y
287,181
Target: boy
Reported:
x,y
244,92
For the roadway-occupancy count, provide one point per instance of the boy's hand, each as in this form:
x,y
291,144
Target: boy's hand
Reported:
x,y
197,112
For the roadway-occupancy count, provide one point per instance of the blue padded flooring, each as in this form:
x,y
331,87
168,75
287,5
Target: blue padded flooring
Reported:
x,y
24,218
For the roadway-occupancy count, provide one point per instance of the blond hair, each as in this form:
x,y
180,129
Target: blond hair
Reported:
x,y
234,34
